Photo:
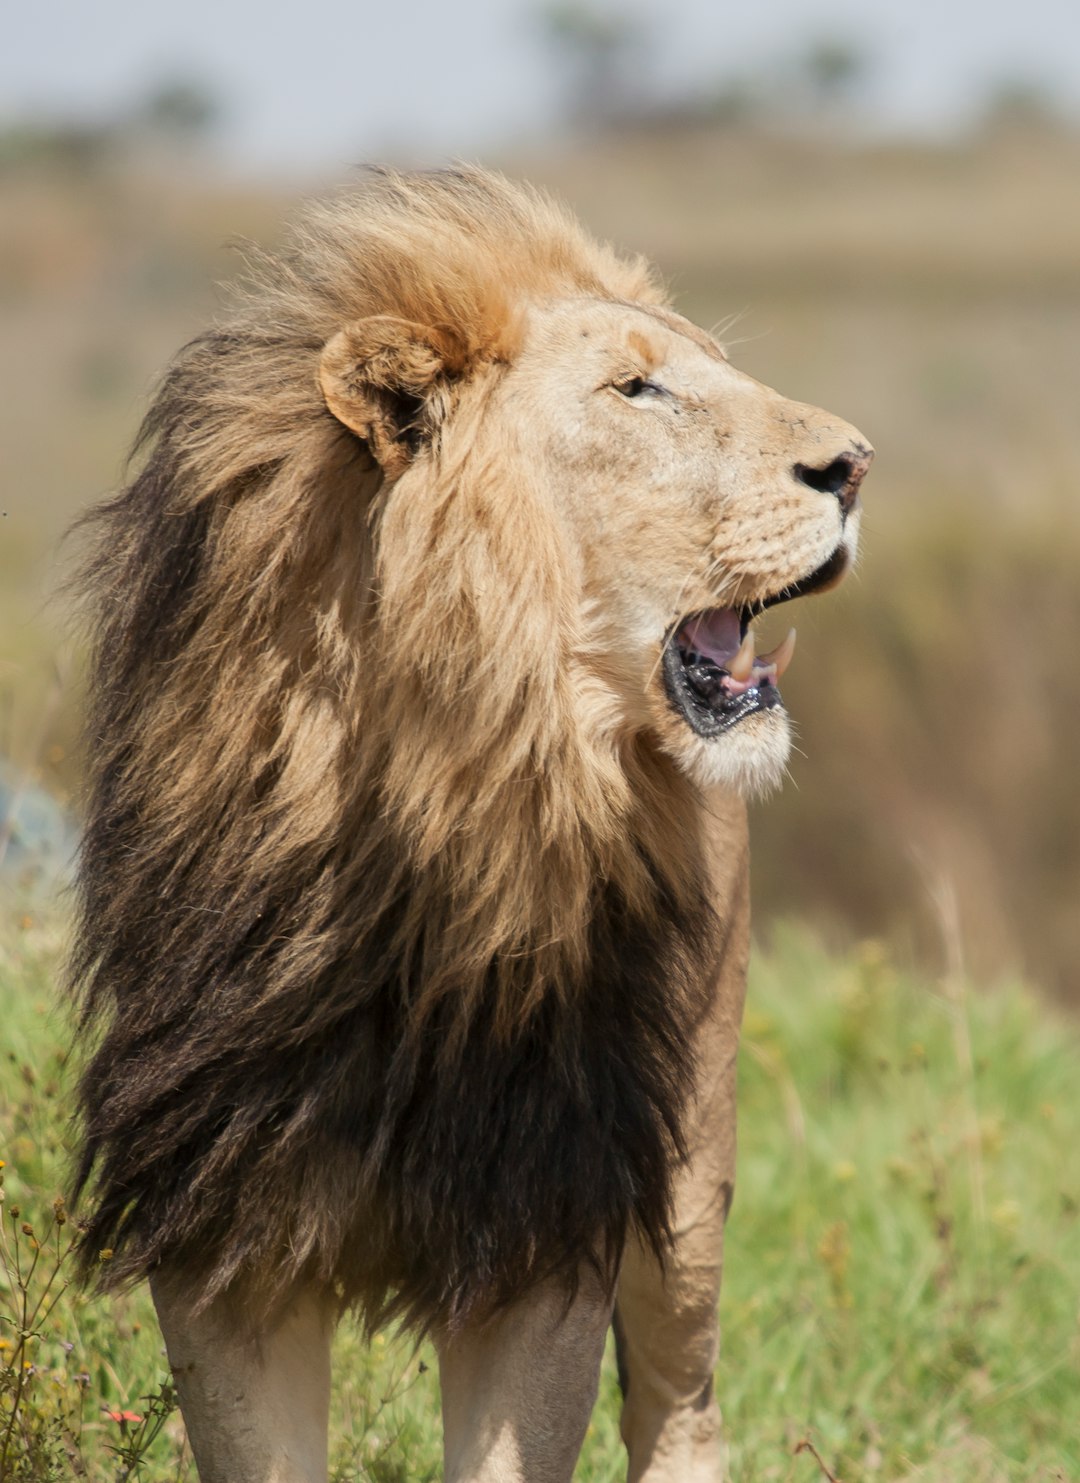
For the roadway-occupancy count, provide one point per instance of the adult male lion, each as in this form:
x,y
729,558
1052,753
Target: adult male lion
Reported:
x,y
413,894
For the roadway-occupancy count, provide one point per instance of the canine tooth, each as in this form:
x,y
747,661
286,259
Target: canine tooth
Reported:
x,y
741,667
781,655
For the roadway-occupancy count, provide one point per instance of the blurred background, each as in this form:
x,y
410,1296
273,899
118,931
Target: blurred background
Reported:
x,y
881,205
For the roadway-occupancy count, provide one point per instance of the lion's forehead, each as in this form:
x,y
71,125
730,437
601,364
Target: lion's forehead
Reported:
x,y
612,326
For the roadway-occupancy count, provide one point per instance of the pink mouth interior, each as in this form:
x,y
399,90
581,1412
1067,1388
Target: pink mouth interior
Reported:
x,y
716,634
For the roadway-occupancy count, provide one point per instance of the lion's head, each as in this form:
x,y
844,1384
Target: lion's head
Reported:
x,y
666,497
417,635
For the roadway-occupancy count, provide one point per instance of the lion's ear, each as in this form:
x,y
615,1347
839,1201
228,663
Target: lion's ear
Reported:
x,y
377,376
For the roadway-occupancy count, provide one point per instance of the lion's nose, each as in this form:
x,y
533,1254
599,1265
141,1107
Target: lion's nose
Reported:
x,y
840,476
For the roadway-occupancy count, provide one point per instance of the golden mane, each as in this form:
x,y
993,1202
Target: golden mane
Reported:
x,y
350,854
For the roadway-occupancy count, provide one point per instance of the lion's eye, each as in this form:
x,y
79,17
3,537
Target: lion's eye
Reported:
x,y
637,386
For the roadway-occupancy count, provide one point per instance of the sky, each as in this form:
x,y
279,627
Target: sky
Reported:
x,y
317,85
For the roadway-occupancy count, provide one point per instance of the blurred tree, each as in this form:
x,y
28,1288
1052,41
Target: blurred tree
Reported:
x,y
78,148
833,69
601,52
733,102
1022,103
181,109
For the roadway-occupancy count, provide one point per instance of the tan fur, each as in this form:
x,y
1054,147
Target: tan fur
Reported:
x,y
400,895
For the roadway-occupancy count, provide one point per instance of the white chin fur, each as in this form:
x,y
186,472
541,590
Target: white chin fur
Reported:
x,y
751,759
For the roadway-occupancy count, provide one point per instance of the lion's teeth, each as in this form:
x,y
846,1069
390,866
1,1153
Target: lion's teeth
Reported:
x,y
741,667
781,655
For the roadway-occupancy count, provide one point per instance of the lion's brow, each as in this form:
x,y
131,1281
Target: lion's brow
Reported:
x,y
679,326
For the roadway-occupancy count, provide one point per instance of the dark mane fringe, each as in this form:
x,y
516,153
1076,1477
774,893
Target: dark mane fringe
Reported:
x,y
427,1174
395,995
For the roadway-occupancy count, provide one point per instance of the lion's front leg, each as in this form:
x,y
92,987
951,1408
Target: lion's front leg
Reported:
x,y
256,1406
667,1338
517,1391
666,1325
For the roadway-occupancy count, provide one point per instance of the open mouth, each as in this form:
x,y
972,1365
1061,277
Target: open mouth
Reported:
x,y
713,676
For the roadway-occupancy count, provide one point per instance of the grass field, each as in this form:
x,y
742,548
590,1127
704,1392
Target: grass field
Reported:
x,y
903,1267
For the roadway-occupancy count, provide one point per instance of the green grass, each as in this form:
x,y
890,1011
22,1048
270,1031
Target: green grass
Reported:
x,y
903,1265
904,1257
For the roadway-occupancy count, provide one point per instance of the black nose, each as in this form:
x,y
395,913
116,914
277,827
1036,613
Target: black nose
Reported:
x,y
840,476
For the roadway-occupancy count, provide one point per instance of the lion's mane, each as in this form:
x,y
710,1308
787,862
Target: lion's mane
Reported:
x,y
389,964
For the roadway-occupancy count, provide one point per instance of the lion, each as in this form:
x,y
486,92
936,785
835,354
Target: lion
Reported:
x,y
413,910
